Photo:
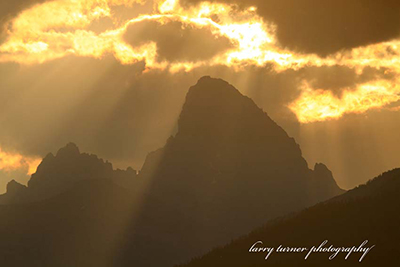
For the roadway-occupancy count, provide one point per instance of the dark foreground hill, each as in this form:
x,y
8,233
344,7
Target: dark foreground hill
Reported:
x,y
368,212
229,169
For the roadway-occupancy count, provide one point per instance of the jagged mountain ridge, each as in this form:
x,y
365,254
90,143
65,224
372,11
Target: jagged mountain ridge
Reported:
x,y
58,173
229,169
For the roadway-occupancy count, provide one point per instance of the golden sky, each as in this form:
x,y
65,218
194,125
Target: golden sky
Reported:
x,y
340,59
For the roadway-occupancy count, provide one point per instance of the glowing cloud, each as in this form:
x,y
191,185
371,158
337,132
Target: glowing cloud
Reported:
x,y
14,161
62,27
319,105
59,28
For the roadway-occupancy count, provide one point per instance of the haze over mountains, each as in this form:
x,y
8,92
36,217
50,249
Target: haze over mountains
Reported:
x,y
229,169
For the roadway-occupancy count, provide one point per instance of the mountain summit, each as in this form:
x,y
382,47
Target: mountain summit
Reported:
x,y
228,147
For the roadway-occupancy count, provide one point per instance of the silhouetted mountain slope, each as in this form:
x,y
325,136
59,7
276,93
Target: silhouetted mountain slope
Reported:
x,y
58,173
229,169
368,212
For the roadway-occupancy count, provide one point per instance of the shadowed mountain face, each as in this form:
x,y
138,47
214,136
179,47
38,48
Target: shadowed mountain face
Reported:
x,y
368,212
229,169
229,157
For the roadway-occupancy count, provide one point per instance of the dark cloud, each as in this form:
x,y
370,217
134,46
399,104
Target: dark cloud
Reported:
x,y
333,78
325,27
339,78
176,41
8,9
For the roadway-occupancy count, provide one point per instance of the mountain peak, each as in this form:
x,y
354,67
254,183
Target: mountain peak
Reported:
x,y
205,78
214,87
69,149
321,168
69,165
57,174
323,181
14,187
213,108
